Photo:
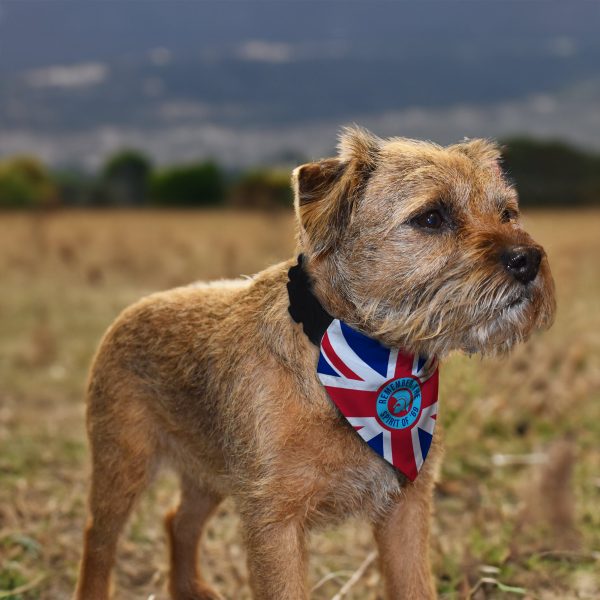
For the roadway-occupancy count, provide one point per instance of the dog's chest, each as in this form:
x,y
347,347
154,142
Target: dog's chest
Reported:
x,y
342,475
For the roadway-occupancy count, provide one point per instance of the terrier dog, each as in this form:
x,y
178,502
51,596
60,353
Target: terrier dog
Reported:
x,y
415,247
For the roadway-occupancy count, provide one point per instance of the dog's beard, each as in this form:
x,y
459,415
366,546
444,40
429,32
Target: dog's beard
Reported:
x,y
486,314
498,333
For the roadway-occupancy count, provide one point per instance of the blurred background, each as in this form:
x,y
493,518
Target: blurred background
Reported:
x,y
148,144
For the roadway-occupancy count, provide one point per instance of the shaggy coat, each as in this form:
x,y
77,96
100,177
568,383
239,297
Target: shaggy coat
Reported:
x,y
217,379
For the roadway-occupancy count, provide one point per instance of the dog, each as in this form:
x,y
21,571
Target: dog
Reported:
x,y
409,244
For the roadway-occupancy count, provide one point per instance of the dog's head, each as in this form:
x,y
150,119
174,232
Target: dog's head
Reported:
x,y
421,246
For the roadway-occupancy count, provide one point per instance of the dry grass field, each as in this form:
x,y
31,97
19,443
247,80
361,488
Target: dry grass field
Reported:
x,y
518,503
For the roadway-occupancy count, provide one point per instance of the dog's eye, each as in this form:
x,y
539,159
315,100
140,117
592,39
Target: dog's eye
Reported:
x,y
508,215
432,219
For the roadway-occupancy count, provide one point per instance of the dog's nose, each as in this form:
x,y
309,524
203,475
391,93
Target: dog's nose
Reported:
x,y
522,262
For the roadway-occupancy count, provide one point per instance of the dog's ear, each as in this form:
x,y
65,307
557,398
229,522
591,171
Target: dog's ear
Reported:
x,y
483,152
326,191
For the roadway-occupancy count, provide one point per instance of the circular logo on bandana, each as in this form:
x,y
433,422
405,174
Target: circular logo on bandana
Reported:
x,y
399,403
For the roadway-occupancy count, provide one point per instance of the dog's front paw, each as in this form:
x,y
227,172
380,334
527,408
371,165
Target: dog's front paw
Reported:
x,y
203,592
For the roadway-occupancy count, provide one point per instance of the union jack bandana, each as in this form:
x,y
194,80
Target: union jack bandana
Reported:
x,y
388,396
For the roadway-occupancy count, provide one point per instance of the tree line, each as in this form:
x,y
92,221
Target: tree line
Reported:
x,y
547,174
128,179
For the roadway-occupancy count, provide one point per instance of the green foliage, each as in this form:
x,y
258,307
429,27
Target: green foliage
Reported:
x,y
126,163
25,183
200,184
552,173
76,188
546,173
125,179
265,189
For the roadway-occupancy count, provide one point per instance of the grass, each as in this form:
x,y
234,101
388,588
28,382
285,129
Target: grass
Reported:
x,y
518,503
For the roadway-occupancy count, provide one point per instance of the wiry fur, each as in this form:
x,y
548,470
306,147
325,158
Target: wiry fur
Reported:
x,y
217,379
433,292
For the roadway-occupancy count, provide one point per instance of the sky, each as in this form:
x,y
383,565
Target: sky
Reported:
x,y
251,82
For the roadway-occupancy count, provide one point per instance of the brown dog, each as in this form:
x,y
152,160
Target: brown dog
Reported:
x,y
416,245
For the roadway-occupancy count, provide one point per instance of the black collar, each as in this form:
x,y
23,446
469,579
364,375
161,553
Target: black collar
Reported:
x,y
304,307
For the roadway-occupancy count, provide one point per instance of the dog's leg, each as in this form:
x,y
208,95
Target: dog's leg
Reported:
x,y
184,527
402,536
277,560
122,461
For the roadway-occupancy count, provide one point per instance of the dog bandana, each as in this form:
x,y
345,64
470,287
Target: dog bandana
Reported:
x,y
388,396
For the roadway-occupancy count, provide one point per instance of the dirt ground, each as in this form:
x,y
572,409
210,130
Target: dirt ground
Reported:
x,y
518,503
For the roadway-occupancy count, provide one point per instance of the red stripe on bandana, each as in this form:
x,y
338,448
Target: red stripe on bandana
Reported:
x,y
335,360
357,403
